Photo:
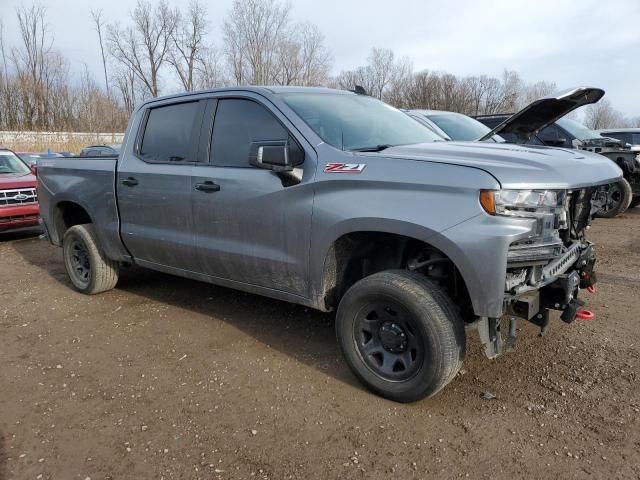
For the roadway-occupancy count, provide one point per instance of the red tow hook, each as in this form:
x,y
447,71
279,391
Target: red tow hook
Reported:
x,y
592,289
585,314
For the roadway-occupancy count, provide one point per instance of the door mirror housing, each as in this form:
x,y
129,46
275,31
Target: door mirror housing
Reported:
x,y
279,155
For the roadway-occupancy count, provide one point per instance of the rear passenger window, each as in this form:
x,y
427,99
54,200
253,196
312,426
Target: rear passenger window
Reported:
x,y
167,135
239,123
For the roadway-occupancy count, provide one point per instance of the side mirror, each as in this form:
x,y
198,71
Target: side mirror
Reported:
x,y
34,169
278,155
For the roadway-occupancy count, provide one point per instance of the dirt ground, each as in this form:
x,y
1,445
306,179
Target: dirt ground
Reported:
x,y
169,378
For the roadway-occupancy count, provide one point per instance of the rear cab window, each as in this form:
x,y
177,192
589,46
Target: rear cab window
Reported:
x,y
169,133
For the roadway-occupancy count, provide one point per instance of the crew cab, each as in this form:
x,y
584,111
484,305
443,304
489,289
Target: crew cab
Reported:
x,y
337,201
18,199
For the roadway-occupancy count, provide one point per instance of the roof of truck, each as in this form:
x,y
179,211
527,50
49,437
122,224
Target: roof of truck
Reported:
x,y
434,112
251,88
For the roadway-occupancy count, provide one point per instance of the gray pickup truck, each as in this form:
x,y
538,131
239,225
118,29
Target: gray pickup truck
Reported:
x,y
337,201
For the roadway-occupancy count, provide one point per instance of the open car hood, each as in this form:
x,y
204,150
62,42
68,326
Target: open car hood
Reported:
x,y
537,115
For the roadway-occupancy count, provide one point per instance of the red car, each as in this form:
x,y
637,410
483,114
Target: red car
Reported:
x,y
18,197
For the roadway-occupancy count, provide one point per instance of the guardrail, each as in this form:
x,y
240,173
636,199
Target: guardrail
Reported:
x,y
14,137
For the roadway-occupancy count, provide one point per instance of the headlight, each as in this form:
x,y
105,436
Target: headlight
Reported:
x,y
522,203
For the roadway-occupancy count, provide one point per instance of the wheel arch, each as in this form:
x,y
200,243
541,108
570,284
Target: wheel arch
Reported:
x,y
389,244
65,214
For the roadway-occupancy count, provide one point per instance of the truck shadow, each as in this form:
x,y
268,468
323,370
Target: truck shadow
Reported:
x,y
20,235
302,333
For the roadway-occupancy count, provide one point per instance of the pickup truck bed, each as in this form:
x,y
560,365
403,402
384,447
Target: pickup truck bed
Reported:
x,y
87,181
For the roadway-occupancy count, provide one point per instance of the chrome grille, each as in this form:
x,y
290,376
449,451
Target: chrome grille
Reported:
x,y
17,197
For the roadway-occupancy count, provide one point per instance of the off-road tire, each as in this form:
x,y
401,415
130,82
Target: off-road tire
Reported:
x,y
620,206
89,270
435,326
635,201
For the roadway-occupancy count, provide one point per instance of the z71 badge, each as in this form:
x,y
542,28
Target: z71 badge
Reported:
x,y
344,167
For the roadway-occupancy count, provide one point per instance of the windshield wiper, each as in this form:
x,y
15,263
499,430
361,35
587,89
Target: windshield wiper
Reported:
x,y
377,148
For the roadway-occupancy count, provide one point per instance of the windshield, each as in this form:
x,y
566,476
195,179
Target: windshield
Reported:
x,y
10,163
577,129
354,122
459,127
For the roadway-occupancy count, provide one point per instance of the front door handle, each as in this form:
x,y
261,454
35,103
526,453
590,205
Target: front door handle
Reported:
x,y
130,182
208,187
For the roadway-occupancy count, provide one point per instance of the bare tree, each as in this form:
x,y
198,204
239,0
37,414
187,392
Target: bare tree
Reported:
x,y
378,75
348,79
30,62
511,87
210,70
188,43
536,91
144,46
603,115
400,78
96,16
126,84
381,63
302,57
252,33
8,106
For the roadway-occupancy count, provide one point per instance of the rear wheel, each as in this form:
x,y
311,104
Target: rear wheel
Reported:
x,y
400,334
618,197
635,201
89,270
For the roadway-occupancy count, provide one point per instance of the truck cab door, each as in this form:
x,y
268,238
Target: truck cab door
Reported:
x,y
154,186
250,225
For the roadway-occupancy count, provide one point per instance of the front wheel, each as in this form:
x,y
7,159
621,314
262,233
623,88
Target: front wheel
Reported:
x,y
89,270
618,196
400,334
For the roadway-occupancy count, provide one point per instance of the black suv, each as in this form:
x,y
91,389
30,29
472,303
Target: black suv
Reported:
x,y
561,133
101,150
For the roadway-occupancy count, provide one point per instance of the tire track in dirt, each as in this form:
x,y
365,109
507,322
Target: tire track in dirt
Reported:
x,y
617,279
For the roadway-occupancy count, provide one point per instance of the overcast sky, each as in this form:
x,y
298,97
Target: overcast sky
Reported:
x,y
579,42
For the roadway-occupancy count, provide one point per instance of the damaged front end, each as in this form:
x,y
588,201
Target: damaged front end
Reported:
x,y
546,270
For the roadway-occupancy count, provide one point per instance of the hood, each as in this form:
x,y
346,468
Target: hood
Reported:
x,y
17,180
537,115
517,166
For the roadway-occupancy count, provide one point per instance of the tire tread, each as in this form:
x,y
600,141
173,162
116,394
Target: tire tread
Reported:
x,y
104,271
433,301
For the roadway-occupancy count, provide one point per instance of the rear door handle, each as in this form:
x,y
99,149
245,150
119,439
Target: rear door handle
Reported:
x,y
130,182
208,187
